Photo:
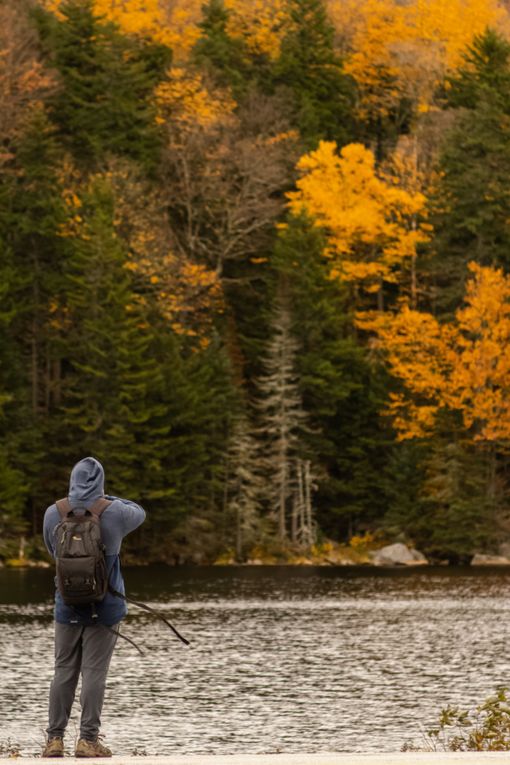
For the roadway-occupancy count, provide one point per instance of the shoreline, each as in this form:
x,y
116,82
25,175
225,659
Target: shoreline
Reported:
x,y
322,758
365,552
44,565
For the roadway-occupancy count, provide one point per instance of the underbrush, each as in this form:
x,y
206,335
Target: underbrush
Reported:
x,y
486,728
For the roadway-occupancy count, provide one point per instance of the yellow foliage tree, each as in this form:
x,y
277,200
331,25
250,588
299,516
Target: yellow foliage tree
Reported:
x,y
260,23
461,366
169,22
397,49
370,221
183,97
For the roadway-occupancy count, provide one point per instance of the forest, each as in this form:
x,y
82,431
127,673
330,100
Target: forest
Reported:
x,y
255,258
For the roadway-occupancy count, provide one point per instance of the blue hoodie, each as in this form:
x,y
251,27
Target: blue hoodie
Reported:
x,y
122,516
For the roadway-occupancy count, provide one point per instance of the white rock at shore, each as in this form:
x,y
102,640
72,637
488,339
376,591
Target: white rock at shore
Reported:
x,y
398,554
489,560
504,549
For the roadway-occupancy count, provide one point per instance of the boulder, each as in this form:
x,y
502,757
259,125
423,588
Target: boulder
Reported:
x,y
504,549
489,560
398,554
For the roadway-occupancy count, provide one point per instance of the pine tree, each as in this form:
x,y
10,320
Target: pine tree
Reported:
x,y
14,483
473,196
198,395
14,489
33,256
282,417
458,518
243,485
226,58
405,508
342,390
309,65
105,100
111,403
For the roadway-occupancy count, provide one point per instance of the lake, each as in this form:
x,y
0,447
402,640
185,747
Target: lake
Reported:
x,y
288,659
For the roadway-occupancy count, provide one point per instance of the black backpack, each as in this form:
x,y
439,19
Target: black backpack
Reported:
x,y
82,576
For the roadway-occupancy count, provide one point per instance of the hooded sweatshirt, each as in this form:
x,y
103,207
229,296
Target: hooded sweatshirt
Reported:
x,y
86,485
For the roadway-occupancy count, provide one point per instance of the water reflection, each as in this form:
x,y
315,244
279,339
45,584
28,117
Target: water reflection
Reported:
x,y
282,659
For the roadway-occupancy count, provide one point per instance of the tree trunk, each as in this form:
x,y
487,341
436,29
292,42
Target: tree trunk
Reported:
x,y
239,535
282,531
380,298
308,502
492,475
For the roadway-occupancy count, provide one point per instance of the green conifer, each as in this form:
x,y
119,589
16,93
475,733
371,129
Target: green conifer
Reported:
x,y
308,65
111,405
342,392
472,204
32,256
226,58
104,104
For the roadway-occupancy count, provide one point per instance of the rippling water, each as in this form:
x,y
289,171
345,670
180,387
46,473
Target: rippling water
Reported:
x,y
290,659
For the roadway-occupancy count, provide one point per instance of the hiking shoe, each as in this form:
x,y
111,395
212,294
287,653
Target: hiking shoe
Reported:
x,y
86,748
54,748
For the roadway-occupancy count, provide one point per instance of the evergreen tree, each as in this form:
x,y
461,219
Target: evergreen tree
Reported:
x,y
473,197
105,100
153,413
342,392
33,256
485,74
13,484
405,475
458,518
13,496
282,417
198,395
225,57
308,64
243,485
111,403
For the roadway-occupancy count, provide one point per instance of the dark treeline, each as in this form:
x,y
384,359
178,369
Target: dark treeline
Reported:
x,y
163,309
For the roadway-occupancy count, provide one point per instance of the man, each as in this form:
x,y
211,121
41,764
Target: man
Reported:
x,y
85,635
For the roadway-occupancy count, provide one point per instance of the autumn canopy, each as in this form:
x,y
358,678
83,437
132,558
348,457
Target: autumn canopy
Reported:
x,y
255,256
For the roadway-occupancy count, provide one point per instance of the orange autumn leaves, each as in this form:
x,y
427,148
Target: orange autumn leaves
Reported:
x,y
170,23
370,220
392,50
183,99
395,50
461,366
372,228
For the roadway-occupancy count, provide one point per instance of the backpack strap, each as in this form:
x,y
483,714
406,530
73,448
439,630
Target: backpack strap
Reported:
x,y
100,506
64,506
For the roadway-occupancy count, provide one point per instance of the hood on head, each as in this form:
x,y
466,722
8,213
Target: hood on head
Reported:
x,y
86,483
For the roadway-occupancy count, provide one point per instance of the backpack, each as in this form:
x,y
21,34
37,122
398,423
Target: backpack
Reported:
x,y
82,576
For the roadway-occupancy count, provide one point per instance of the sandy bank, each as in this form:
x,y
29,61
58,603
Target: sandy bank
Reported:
x,y
400,758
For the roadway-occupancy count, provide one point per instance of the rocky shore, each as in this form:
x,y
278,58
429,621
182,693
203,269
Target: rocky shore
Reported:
x,y
329,553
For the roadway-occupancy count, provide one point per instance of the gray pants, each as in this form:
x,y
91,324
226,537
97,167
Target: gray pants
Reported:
x,y
80,649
